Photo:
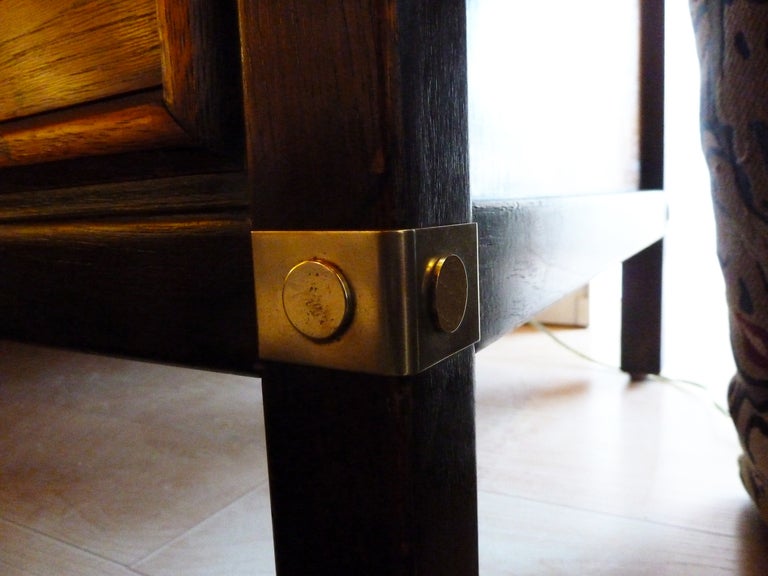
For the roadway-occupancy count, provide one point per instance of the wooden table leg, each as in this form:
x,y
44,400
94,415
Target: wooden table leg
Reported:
x,y
373,475
641,312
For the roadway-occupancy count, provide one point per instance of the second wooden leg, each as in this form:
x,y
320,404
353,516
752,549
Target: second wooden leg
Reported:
x,y
641,312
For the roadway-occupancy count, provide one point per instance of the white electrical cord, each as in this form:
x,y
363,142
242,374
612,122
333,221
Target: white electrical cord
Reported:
x,y
680,383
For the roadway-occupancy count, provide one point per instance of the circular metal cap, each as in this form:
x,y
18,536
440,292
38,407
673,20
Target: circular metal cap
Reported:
x,y
450,290
317,299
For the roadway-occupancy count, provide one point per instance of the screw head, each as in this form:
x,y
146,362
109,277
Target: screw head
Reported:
x,y
449,293
317,299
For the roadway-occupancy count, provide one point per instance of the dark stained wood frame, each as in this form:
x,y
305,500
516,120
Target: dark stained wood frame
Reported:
x,y
641,331
170,288
355,118
368,474
535,251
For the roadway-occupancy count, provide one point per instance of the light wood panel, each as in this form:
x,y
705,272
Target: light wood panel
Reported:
x,y
121,125
88,79
58,53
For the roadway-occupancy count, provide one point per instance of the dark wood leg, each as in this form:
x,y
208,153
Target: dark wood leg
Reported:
x,y
373,475
641,304
641,312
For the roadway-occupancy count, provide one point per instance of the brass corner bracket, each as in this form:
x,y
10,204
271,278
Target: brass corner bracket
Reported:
x,y
392,302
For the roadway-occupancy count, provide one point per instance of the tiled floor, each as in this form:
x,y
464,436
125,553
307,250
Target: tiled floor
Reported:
x,y
115,467
124,461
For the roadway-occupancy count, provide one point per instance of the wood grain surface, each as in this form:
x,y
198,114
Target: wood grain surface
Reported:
x,y
535,251
201,69
125,124
184,195
86,79
175,288
356,118
66,52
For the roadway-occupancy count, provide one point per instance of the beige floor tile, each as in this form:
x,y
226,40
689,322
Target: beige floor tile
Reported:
x,y
561,431
25,553
235,542
524,537
120,457
8,570
163,469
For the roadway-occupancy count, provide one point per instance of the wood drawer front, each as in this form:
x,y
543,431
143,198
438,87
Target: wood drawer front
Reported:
x,y
73,52
86,78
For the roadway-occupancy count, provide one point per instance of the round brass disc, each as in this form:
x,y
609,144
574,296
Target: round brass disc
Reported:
x,y
450,293
317,299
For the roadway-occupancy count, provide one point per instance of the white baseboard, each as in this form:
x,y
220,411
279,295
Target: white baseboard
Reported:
x,y
573,310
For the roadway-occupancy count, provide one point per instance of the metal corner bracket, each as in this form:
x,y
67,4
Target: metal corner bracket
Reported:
x,y
391,302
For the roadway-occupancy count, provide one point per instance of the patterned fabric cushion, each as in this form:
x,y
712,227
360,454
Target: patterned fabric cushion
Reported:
x,y
732,39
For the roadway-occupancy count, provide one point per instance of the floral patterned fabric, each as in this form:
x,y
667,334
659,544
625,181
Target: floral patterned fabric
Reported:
x,y
732,39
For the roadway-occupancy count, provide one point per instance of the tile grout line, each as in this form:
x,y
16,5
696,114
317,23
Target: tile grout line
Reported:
x,y
605,514
69,545
165,546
